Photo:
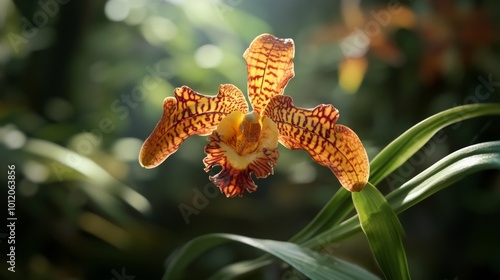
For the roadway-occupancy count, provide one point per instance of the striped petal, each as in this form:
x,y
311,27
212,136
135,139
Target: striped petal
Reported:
x,y
329,144
270,66
188,113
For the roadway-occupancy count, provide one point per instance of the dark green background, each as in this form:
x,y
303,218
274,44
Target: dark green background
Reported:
x,y
68,82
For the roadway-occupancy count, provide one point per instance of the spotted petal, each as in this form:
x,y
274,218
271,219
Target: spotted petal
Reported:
x,y
329,144
269,67
188,113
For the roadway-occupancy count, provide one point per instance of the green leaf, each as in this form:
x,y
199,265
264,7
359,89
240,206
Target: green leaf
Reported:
x,y
240,268
325,224
338,208
445,172
333,213
383,231
475,158
105,191
390,158
307,261
408,143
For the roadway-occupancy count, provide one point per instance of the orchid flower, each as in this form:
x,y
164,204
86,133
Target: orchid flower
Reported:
x,y
243,141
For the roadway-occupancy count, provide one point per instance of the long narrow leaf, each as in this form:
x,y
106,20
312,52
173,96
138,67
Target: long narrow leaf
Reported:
x,y
408,143
444,173
308,262
333,213
466,161
383,231
390,158
240,268
107,191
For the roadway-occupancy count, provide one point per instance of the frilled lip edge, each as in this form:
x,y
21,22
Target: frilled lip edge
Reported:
x,y
234,181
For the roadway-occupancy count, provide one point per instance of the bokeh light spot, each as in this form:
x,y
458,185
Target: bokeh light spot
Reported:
x,y
136,16
208,56
117,10
302,173
158,30
85,143
351,73
127,148
175,2
35,171
11,137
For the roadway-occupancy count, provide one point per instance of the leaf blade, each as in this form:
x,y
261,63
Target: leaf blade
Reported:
x,y
412,140
309,262
483,156
105,191
383,231
408,143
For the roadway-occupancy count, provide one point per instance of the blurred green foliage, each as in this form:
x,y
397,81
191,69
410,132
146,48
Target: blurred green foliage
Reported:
x,y
81,86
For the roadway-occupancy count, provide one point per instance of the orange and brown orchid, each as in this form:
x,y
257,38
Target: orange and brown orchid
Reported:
x,y
243,141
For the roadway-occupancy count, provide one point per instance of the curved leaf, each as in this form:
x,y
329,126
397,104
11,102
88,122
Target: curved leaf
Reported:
x,y
106,189
445,172
338,208
390,158
408,143
240,268
440,175
383,231
326,223
307,261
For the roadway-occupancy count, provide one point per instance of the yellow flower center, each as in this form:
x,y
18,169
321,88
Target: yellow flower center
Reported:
x,y
244,136
244,132
250,129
